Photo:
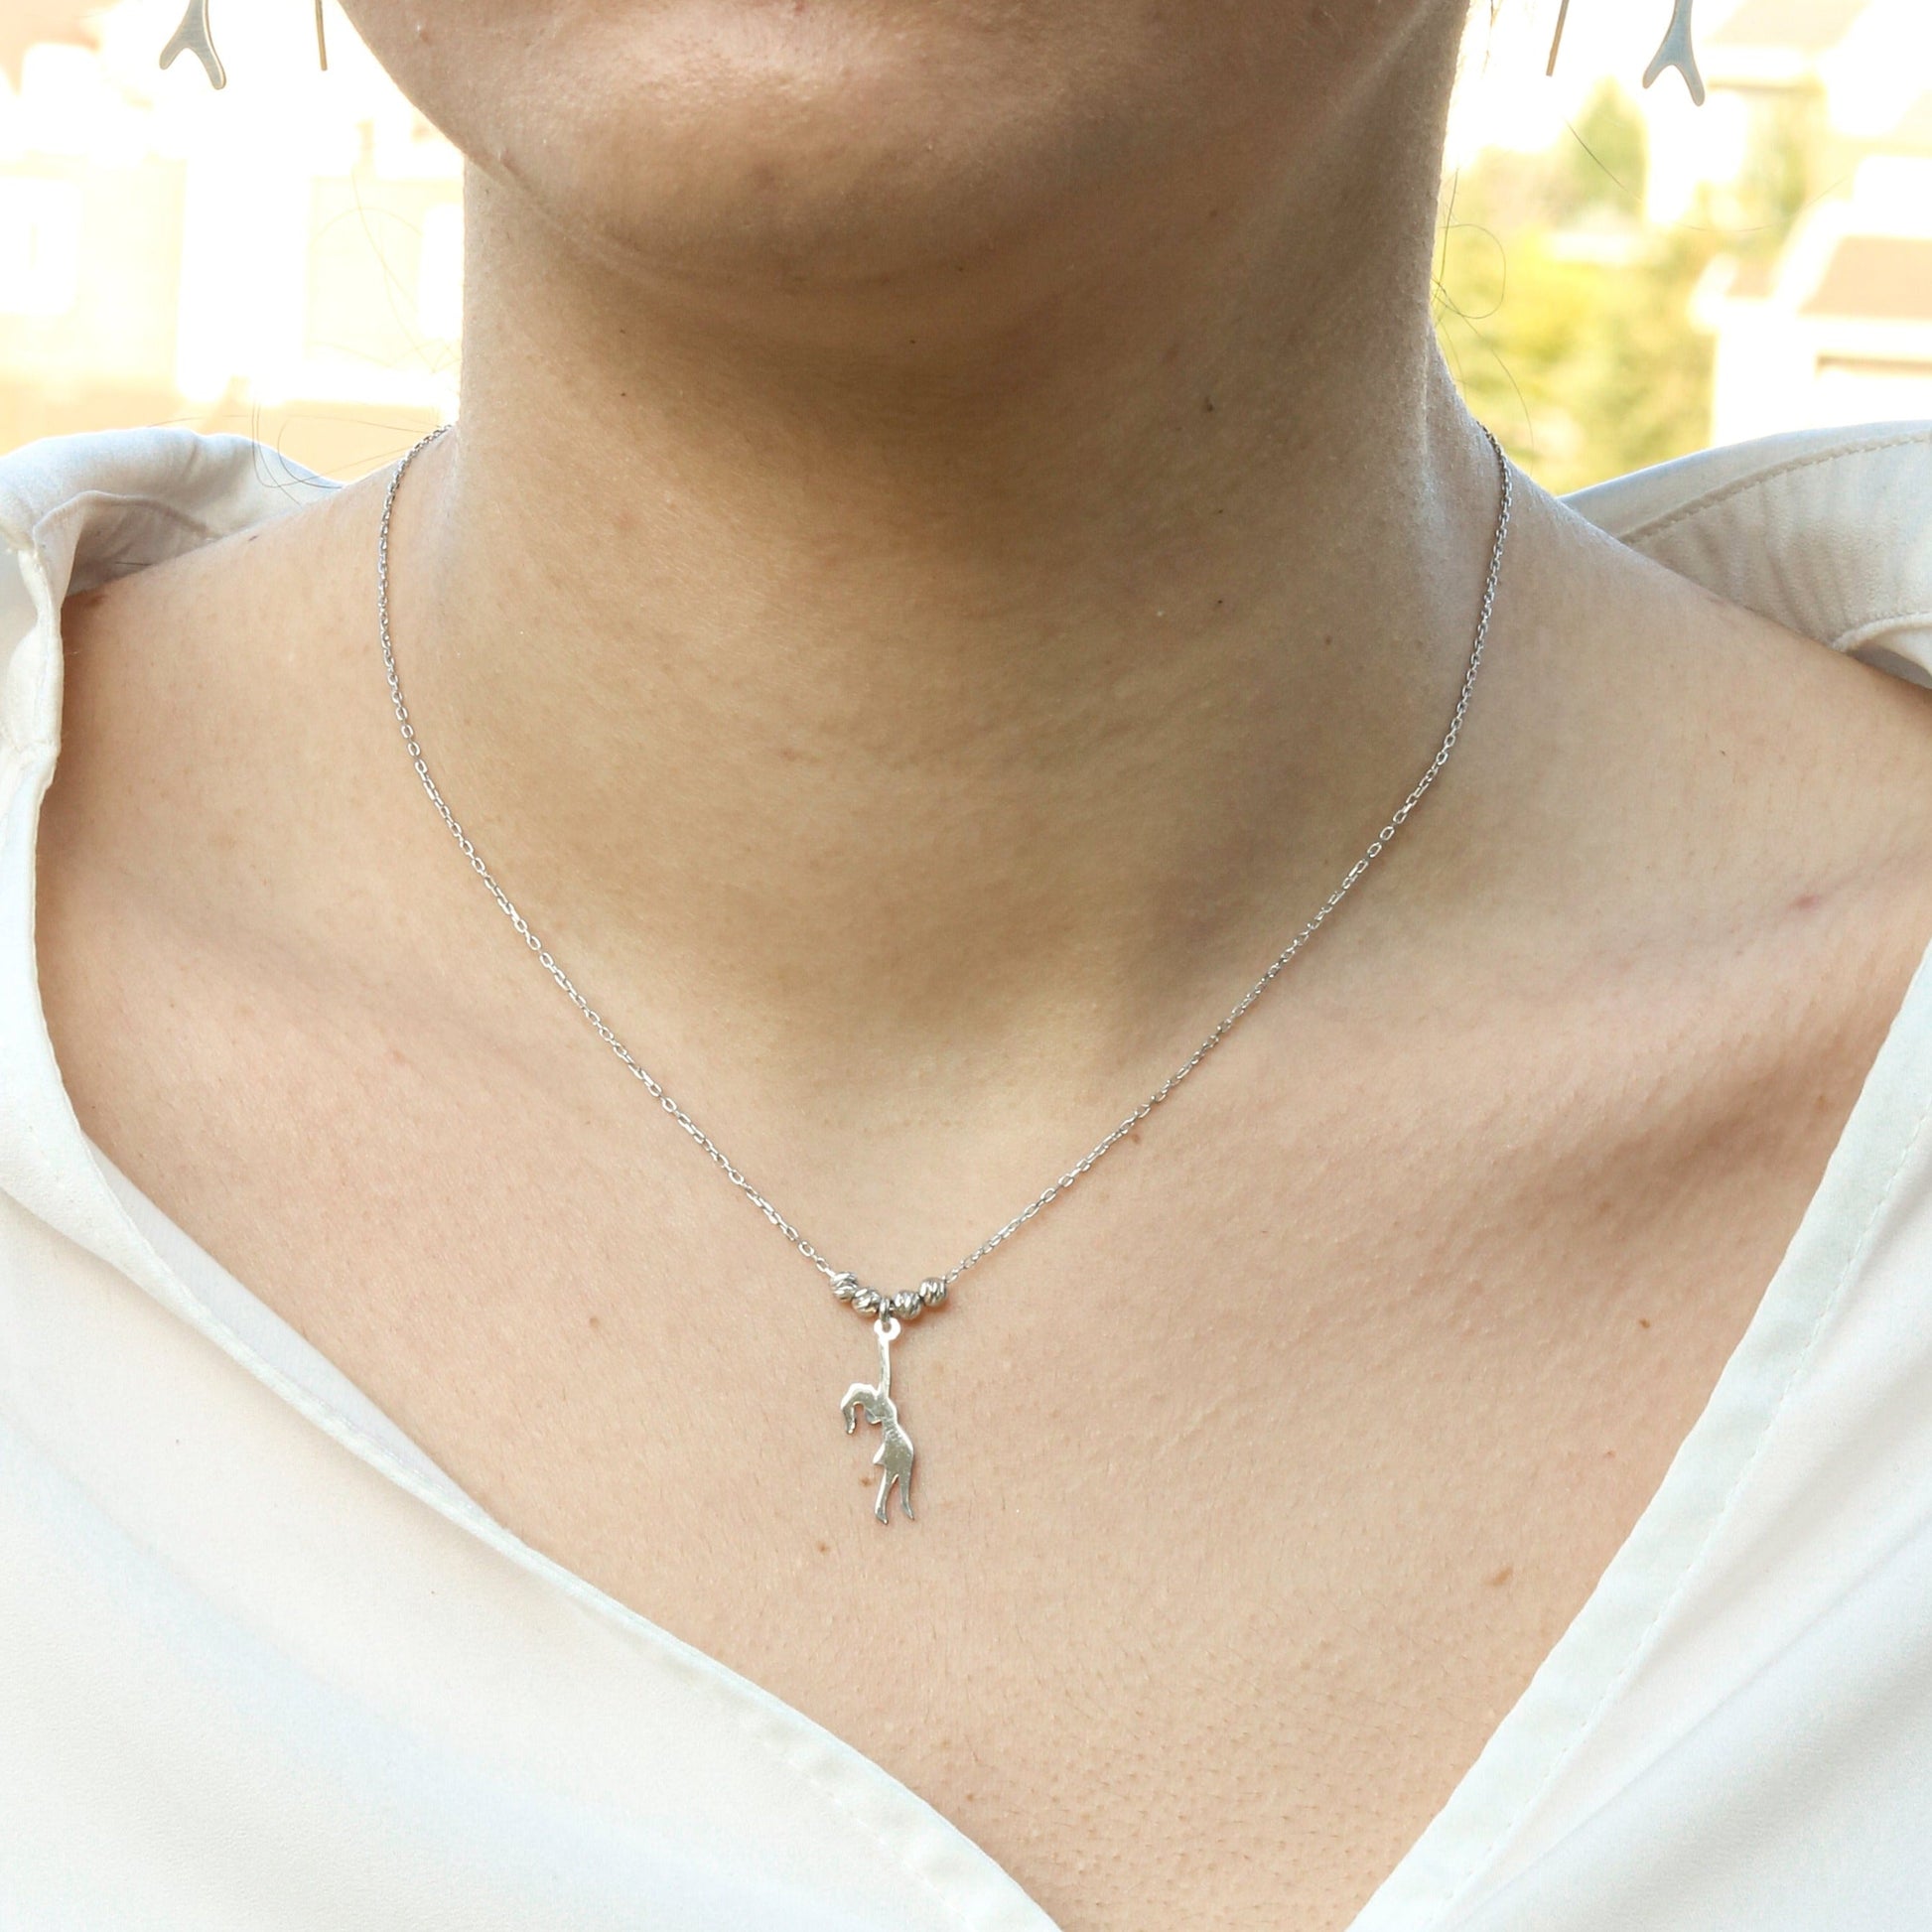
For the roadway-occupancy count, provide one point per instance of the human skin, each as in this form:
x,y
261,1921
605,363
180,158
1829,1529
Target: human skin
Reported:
x,y
958,534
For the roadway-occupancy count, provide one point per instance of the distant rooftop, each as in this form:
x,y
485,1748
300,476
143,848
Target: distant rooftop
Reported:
x,y
1876,278
1800,26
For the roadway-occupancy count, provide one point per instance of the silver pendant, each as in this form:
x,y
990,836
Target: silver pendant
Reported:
x,y
193,37
893,1458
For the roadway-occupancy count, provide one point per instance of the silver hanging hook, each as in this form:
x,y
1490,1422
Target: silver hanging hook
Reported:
x,y
193,37
1677,52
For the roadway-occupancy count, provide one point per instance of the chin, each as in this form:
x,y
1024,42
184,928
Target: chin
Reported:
x,y
839,144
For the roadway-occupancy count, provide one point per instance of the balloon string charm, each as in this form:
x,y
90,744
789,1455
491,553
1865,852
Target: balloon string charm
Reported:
x,y
874,1400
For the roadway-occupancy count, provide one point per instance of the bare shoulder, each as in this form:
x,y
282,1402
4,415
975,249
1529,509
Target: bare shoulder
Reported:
x,y
1720,752
202,700
1720,881
213,727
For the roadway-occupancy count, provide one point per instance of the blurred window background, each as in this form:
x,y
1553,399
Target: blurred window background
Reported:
x,y
1621,277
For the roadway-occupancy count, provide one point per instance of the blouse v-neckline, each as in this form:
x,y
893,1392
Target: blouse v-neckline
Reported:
x,y
116,502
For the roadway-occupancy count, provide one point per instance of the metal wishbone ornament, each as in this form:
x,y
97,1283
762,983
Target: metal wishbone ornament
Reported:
x,y
193,37
888,1312
1677,51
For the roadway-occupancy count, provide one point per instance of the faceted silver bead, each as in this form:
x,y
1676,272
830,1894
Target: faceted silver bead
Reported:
x,y
868,1301
907,1303
932,1293
845,1287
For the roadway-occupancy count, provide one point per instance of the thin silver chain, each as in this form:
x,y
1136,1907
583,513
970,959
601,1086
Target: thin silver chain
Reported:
x,y
844,1283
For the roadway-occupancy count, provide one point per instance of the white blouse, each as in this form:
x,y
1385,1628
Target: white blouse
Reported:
x,y
262,1665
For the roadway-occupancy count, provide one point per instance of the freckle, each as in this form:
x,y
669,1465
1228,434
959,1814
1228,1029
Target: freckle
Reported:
x,y
1643,1322
1207,403
1502,1576
823,1548
597,1321
1610,1455
1806,903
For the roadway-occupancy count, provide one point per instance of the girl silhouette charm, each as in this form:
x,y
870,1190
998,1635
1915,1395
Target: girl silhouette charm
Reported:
x,y
895,1455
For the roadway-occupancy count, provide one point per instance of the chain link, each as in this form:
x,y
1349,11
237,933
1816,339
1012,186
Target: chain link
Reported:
x,y
1052,1192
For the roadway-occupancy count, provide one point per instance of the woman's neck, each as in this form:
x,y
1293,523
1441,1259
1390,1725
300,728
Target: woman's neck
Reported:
x,y
941,656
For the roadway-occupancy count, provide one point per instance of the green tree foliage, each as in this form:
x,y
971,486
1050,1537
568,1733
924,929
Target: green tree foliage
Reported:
x,y
1567,321
1605,165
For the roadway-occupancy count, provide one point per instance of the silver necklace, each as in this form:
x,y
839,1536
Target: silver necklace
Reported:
x,y
888,1311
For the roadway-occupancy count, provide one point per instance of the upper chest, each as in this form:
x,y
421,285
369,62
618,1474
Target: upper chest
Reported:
x,y
1252,1487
